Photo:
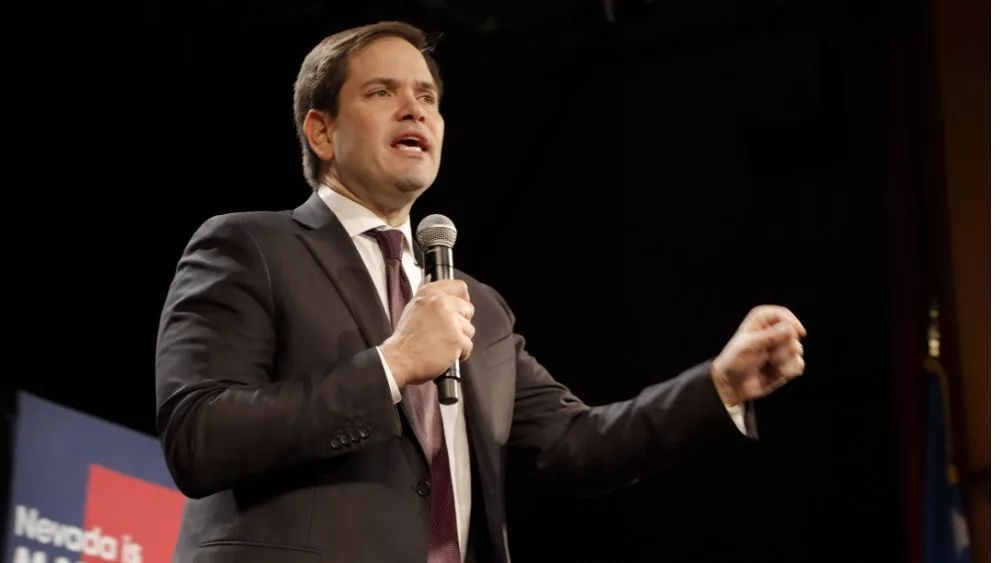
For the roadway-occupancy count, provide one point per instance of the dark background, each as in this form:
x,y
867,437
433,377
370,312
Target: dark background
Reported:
x,y
632,187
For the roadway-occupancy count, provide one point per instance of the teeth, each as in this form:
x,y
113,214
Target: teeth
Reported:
x,y
403,147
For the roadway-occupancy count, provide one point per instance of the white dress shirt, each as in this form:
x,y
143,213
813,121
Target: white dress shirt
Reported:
x,y
357,219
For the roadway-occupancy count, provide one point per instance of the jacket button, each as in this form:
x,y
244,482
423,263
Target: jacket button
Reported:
x,y
335,443
353,435
423,488
363,433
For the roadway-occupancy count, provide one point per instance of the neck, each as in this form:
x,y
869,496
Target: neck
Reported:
x,y
393,215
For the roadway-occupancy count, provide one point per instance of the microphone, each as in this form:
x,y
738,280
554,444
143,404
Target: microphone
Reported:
x,y
436,234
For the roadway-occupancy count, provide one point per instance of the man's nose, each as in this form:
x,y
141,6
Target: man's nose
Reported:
x,y
411,110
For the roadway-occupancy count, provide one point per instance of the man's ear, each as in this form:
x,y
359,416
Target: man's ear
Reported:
x,y
318,127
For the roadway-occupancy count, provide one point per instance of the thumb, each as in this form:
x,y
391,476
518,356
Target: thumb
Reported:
x,y
770,337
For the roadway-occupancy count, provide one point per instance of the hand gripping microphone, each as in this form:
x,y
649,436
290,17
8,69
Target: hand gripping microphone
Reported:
x,y
436,234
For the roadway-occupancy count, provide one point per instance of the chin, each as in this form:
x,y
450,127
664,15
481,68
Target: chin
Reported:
x,y
414,183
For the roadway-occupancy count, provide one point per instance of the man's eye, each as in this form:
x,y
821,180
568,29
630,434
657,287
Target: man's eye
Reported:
x,y
429,98
380,93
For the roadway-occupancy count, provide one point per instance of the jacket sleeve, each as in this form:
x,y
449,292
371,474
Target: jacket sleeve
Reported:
x,y
589,450
221,415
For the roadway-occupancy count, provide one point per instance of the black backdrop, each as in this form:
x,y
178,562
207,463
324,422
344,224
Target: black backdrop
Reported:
x,y
632,188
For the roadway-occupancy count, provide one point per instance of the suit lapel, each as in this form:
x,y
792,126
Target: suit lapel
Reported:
x,y
336,253
333,248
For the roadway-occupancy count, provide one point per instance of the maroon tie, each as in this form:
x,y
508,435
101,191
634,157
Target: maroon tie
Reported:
x,y
423,397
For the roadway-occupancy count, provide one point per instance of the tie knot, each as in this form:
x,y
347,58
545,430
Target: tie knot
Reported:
x,y
390,242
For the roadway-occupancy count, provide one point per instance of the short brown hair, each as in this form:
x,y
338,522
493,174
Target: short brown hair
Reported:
x,y
324,71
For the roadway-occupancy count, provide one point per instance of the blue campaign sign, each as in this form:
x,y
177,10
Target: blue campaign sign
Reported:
x,y
86,490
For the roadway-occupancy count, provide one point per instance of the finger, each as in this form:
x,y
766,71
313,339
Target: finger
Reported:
x,y
781,354
769,338
467,328
457,288
792,368
466,348
464,308
774,314
788,369
784,353
777,384
787,317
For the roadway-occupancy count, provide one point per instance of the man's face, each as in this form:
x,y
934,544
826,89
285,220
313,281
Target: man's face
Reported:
x,y
388,133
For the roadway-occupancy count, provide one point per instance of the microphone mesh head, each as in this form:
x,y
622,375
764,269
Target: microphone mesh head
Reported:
x,y
436,230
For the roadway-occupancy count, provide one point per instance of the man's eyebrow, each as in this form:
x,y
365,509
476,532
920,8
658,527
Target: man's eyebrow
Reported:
x,y
393,83
427,86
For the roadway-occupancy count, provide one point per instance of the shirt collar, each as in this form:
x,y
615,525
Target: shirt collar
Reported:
x,y
357,218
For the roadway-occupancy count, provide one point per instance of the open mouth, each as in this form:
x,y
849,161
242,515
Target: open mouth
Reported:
x,y
411,143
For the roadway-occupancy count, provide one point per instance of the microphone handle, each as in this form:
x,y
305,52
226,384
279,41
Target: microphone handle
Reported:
x,y
438,264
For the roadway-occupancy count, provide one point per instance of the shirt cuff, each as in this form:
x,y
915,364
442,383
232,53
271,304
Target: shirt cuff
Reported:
x,y
738,414
393,388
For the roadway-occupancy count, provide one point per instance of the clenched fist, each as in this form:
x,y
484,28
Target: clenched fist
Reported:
x,y
764,354
434,330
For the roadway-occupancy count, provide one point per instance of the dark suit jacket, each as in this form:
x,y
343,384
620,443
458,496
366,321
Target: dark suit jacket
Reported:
x,y
277,421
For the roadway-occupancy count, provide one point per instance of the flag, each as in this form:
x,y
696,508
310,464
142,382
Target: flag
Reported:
x,y
946,531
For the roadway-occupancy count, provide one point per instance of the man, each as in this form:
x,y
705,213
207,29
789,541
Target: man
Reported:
x,y
297,352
